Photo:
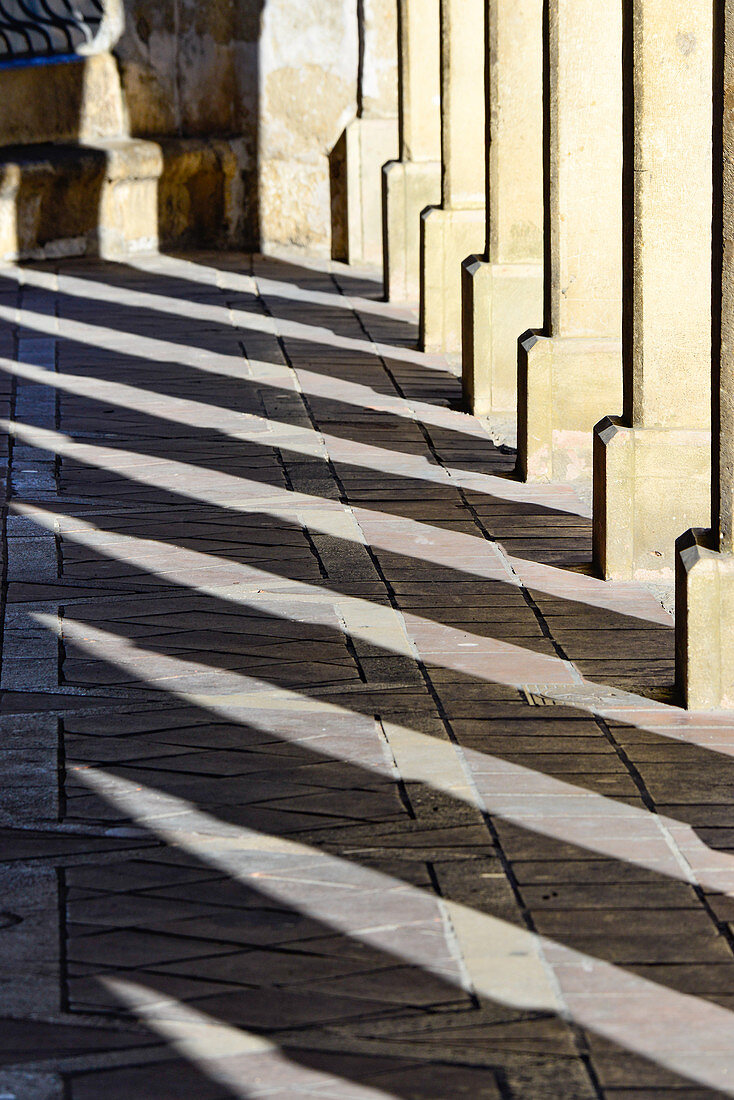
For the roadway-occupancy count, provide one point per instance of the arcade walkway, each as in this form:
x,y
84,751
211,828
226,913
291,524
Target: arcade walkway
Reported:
x,y
327,768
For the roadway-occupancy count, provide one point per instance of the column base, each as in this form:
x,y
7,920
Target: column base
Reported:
x,y
370,143
650,484
498,302
704,622
407,189
447,238
564,386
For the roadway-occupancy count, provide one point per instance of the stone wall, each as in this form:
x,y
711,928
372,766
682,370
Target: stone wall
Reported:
x,y
260,90
309,57
251,104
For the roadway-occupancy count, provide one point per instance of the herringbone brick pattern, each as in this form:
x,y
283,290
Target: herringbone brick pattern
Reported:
x,y
329,769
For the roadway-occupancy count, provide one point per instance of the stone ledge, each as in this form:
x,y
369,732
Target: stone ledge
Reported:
x,y
119,197
202,195
72,200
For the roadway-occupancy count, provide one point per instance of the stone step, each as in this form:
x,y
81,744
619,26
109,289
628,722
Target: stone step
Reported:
x,y
120,197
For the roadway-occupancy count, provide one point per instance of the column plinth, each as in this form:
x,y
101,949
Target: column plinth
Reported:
x,y
370,144
648,484
557,405
499,301
447,237
704,613
408,188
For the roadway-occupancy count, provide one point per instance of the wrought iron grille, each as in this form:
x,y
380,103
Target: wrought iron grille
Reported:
x,y
37,30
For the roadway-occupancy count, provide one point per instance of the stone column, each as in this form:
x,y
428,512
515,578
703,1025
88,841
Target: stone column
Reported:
x,y
414,181
571,374
455,229
704,618
502,291
652,465
372,137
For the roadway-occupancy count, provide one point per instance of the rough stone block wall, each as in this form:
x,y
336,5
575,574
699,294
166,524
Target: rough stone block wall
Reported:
x,y
277,77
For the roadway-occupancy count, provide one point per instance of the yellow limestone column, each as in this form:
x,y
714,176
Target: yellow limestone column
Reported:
x,y
502,291
571,374
455,229
414,181
372,138
704,618
652,465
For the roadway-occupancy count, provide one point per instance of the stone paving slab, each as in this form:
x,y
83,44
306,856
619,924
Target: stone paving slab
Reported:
x,y
329,769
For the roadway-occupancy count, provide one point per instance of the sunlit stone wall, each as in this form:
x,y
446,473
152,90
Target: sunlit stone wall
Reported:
x,y
309,54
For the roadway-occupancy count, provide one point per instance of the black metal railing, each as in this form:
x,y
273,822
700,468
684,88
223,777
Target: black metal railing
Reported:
x,y
37,30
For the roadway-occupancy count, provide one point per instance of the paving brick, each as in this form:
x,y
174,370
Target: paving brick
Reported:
x,y
262,604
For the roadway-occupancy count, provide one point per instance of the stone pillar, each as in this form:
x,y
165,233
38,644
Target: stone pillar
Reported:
x,y
652,465
455,229
414,181
372,137
704,618
502,291
571,374
306,57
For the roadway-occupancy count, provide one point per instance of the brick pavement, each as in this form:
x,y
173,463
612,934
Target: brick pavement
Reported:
x,y
328,768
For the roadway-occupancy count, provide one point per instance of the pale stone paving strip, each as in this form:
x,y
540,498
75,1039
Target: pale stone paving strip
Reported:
x,y
303,608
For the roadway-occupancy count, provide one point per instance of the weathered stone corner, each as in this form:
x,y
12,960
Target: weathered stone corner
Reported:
x,y
635,470
499,301
447,238
558,407
408,188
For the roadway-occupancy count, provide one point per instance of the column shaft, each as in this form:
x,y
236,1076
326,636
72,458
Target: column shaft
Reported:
x,y
462,91
378,65
572,374
705,558
372,137
420,80
652,466
502,291
723,320
514,105
414,181
667,330
451,232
